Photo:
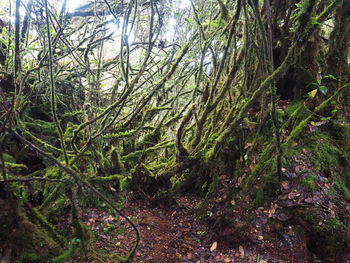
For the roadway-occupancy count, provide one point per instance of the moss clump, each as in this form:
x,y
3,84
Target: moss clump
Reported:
x,y
41,127
332,239
8,158
309,182
267,191
52,172
68,253
32,258
328,237
117,167
15,167
342,188
41,220
326,154
34,243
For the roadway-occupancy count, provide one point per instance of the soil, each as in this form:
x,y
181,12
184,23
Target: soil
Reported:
x,y
178,234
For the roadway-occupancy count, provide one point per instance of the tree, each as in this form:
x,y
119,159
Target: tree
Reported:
x,y
157,95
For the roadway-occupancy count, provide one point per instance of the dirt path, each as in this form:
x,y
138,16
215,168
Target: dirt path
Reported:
x,y
174,234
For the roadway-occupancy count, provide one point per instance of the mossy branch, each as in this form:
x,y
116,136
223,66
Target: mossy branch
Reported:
x,y
52,86
77,177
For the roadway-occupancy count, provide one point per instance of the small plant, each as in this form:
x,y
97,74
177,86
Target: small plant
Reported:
x,y
319,85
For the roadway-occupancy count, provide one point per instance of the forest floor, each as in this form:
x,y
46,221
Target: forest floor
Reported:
x,y
177,234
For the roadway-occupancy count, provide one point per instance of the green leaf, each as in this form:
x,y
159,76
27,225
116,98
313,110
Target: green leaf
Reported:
x,y
330,77
312,93
323,89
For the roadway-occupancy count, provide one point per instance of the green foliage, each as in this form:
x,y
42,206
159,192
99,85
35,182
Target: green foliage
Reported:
x,y
35,243
326,155
8,158
40,127
332,237
116,165
320,86
15,167
68,253
42,220
52,172
342,188
309,182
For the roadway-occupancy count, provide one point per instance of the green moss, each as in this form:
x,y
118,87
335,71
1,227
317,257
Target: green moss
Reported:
x,y
264,161
32,258
34,243
117,167
267,191
309,182
332,238
70,130
15,167
52,172
71,115
40,219
41,127
213,139
134,156
51,196
8,158
68,253
326,155
149,140
342,188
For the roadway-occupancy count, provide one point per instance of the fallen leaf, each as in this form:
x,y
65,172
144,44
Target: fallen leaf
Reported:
x,y
247,145
112,189
283,217
285,185
241,251
309,200
213,246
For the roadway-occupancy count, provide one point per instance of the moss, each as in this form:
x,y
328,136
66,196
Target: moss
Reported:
x,y
264,161
267,191
71,115
32,258
327,237
8,158
15,167
117,167
52,172
40,219
70,130
332,239
149,140
326,155
68,253
41,127
309,182
32,240
342,188
134,156
210,153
